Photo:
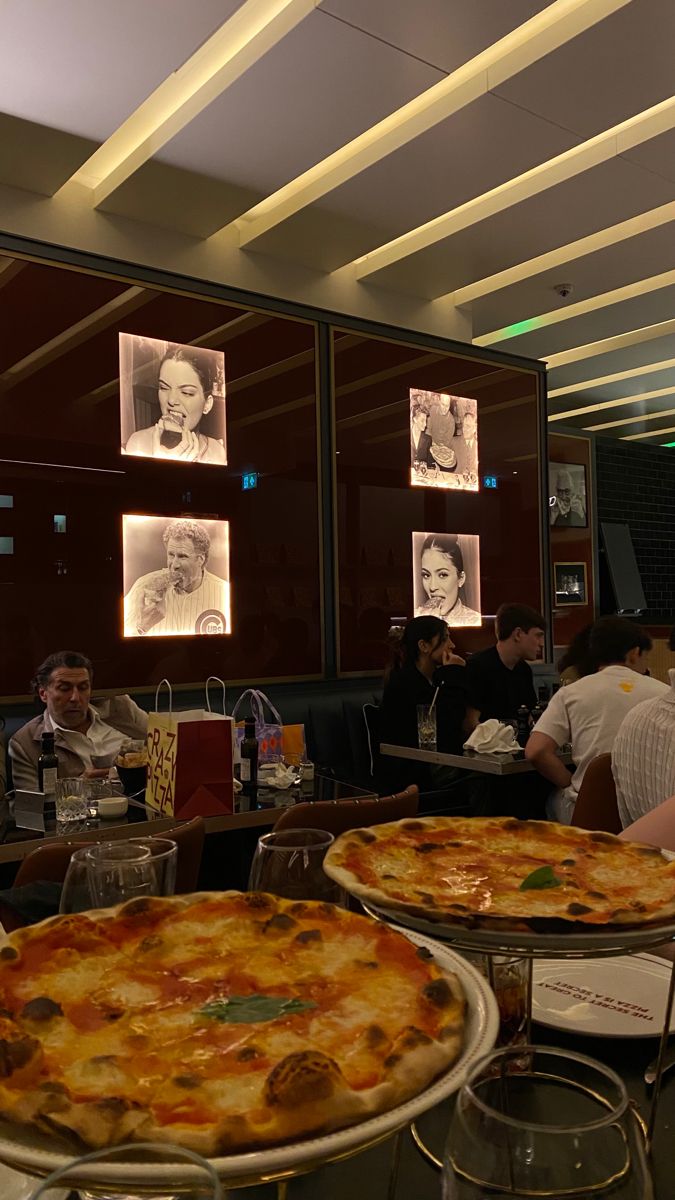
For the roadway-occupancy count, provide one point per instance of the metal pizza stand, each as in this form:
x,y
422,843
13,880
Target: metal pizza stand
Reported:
x,y
533,946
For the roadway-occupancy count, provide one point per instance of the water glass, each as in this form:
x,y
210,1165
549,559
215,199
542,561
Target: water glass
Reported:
x,y
122,865
164,861
537,1121
72,799
426,726
170,1161
290,864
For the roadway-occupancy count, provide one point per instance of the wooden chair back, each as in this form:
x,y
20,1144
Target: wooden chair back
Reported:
x,y
596,807
337,816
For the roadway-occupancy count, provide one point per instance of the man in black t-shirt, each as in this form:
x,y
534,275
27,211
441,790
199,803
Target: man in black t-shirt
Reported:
x,y
499,680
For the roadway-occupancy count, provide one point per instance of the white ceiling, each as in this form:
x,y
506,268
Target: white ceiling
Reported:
x,y
80,68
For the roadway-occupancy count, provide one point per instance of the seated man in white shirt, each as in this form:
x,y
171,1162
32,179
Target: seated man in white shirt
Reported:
x,y
81,730
643,756
588,713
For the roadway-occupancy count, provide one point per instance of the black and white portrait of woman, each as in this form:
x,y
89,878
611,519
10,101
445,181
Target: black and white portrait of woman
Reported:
x,y
443,441
446,577
172,401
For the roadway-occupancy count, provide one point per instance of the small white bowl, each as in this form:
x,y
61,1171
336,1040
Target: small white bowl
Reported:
x,y
112,806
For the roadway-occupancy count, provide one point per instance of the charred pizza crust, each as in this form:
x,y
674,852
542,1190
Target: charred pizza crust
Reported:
x,y
469,871
116,1024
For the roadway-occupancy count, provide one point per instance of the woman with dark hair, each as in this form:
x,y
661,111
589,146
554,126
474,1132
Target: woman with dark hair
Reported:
x,y
576,661
443,576
423,666
186,386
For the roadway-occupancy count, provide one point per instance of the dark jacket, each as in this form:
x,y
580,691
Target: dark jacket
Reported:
x,y
405,689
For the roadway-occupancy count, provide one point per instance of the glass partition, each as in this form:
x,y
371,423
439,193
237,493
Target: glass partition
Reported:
x,y
380,387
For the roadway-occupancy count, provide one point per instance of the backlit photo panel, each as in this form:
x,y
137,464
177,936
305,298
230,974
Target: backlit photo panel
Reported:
x,y
172,401
446,577
443,441
176,577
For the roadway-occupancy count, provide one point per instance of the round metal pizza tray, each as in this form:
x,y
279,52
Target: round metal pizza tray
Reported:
x,y
562,943
37,1153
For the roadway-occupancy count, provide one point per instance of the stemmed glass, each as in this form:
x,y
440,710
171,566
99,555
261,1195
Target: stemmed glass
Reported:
x,y
199,1175
536,1121
289,863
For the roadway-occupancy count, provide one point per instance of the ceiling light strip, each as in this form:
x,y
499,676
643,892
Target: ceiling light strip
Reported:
x,y
551,259
636,437
631,337
591,153
556,25
239,43
641,287
618,376
622,401
660,414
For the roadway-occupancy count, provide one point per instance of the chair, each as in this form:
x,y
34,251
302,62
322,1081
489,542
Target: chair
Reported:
x,y
596,807
336,816
50,861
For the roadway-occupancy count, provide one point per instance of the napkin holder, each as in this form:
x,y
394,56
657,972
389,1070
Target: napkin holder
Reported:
x,y
33,809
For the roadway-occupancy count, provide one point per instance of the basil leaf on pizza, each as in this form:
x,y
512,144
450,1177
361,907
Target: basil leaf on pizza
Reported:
x,y
543,877
248,1010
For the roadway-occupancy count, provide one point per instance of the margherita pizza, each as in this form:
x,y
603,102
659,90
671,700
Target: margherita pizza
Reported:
x,y
504,873
218,1021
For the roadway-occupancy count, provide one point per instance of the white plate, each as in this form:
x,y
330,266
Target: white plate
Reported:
x,y
604,997
38,1153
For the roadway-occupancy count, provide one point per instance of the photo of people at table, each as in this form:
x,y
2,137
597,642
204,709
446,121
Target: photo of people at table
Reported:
x,y
443,441
172,401
176,576
446,577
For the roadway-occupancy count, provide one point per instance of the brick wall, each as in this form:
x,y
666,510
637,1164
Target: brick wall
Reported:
x,y
636,484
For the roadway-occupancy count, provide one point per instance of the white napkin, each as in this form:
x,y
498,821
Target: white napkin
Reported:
x,y
281,777
491,737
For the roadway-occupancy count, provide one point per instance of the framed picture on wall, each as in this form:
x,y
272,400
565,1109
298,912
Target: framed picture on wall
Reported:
x,y
446,577
570,583
567,496
443,441
176,576
172,401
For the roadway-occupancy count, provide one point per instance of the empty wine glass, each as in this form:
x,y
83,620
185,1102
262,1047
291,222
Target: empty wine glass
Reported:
x,y
535,1121
199,1179
290,864
123,866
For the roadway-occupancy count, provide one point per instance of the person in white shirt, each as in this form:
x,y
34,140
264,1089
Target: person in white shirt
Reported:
x,y
83,731
643,756
182,597
587,714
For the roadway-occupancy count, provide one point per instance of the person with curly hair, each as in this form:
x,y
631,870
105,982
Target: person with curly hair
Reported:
x,y
178,597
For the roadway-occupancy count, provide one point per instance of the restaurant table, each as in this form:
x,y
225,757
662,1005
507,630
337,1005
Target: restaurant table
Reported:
x,y
142,821
513,763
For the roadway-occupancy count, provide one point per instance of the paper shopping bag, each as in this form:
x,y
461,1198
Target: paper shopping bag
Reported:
x,y
189,762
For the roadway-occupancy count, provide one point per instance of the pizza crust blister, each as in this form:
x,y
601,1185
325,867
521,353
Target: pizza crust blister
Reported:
x,y
218,1021
504,874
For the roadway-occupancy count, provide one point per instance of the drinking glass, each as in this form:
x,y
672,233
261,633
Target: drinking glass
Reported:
x,y
72,799
121,864
536,1121
164,860
509,979
203,1184
426,727
290,864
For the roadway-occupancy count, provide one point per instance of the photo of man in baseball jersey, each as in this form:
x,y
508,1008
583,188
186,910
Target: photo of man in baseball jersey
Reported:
x,y
179,594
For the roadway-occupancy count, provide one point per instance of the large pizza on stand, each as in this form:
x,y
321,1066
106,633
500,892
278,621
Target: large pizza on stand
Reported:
x,y
501,873
218,1021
